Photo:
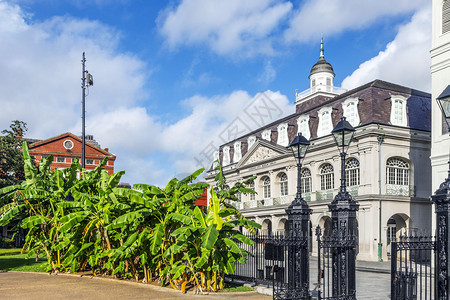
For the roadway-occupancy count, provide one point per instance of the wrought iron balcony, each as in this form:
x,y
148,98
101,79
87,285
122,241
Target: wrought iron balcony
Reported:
x,y
401,190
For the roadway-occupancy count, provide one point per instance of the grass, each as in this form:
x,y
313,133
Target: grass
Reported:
x,y
234,287
19,262
10,251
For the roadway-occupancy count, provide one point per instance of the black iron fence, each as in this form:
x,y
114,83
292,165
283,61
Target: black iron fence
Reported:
x,y
412,270
272,261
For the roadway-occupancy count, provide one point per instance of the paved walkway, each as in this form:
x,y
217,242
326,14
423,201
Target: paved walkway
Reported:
x,y
18,285
372,280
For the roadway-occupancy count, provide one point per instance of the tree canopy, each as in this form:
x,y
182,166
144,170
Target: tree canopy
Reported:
x,y
11,158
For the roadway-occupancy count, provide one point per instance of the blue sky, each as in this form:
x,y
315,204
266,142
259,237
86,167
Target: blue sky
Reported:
x,y
170,76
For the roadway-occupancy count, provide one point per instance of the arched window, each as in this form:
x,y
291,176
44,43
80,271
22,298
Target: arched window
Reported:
x,y
226,156
283,138
251,140
325,122
352,172
266,187
303,126
237,152
267,135
398,111
350,109
397,171
326,177
283,185
305,176
252,186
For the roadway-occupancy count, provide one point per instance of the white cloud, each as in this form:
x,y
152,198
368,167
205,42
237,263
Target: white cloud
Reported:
x,y
227,27
317,17
405,60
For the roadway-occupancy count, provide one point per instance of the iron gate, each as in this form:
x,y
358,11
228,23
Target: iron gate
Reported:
x,y
333,282
412,274
289,280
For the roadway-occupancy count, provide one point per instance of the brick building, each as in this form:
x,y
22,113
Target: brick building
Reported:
x,y
67,146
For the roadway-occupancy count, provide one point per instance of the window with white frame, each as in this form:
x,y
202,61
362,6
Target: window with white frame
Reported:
x,y
303,126
60,159
283,138
266,135
283,185
445,16
226,156
326,177
352,172
305,176
89,161
237,152
398,111
251,140
216,158
266,187
252,186
397,171
350,109
325,122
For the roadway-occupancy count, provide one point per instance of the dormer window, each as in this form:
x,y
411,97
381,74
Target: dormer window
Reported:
x,y
283,139
303,126
350,109
237,152
216,158
398,111
325,123
266,135
226,156
251,140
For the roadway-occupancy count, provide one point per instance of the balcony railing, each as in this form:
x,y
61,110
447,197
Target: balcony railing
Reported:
x,y
320,88
400,190
324,195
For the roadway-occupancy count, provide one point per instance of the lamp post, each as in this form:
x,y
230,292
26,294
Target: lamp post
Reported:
x,y
441,199
343,215
298,214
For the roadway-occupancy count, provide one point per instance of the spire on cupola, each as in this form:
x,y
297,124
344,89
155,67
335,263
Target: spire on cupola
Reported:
x,y
321,48
322,73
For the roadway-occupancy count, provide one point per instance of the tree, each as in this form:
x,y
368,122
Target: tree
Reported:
x,y
11,158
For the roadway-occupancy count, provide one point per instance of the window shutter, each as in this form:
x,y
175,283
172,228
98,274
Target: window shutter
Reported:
x,y
446,17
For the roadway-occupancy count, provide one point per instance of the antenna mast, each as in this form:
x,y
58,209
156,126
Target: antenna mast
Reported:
x,y
83,111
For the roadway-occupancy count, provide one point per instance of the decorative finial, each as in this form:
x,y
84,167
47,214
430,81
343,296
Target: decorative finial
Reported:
x,y
321,48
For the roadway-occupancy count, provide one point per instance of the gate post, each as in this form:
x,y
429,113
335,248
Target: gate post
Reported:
x,y
343,216
298,252
441,199
298,220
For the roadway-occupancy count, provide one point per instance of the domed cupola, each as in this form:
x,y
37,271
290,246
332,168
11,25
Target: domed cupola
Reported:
x,y
322,73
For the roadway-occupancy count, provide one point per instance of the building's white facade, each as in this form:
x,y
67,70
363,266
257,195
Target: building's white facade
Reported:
x,y
440,79
387,167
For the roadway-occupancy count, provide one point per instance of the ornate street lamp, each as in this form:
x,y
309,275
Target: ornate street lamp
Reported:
x,y
298,221
444,104
299,147
343,135
441,199
343,215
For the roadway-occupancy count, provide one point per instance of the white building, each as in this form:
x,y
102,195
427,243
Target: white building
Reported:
x,y
387,167
440,79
